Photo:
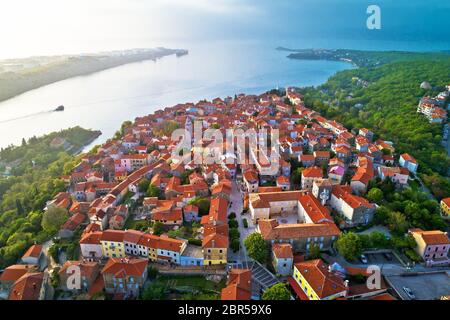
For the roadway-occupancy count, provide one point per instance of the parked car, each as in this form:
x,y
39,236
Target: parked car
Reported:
x,y
363,259
388,256
409,293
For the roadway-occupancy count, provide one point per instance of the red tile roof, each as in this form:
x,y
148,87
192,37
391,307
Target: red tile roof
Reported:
x,y
91,238
434,237
34,251
282,250
239,285
323,282
271,230
312,172
113,235
14,272
123,267
28,287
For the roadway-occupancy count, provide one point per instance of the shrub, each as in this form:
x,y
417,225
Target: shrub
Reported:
x,y
234,233
278,291
152,272
411,254
233,224
195,242
235,245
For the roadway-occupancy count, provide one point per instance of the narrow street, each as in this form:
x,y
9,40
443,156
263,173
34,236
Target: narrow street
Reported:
x,y
237,207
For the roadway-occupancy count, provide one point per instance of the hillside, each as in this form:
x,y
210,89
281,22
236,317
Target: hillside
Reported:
x,y
384,99
363,58
34,178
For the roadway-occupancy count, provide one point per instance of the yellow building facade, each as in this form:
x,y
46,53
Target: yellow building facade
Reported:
x,y
113,249
445,208
214,256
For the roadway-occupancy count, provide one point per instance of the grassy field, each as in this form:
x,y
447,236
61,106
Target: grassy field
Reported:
x,y
194,282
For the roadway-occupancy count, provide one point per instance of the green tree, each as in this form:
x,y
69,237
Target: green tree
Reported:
x,y
54,278
232,223
278,291
314,251
375,195
256,247
379,240
349,246
235,245
153,191
296,176
155,291
158,228
203,205
165,128
152,272
234,233
53,219
143,185
381,215
397,222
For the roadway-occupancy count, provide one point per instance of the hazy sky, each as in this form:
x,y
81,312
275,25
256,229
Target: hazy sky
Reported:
x,y
30,27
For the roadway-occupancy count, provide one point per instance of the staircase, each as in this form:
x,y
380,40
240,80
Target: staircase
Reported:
x,y
263,277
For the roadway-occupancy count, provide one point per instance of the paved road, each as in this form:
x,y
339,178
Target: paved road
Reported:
x,y
236,207
387,268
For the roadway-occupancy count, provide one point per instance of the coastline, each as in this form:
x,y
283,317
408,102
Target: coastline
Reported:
x,y
36,72
362,58
89,144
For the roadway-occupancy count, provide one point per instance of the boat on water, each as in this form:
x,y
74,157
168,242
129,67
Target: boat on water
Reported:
x,y
60,108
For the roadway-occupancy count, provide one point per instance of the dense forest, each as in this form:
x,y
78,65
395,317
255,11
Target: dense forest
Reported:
x,y
384,99
34,178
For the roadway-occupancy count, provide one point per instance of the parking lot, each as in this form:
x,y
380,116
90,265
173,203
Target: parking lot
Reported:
x,y
424,286
380,258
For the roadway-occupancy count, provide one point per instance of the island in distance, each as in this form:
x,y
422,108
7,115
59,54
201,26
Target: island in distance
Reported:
x,y
21,75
